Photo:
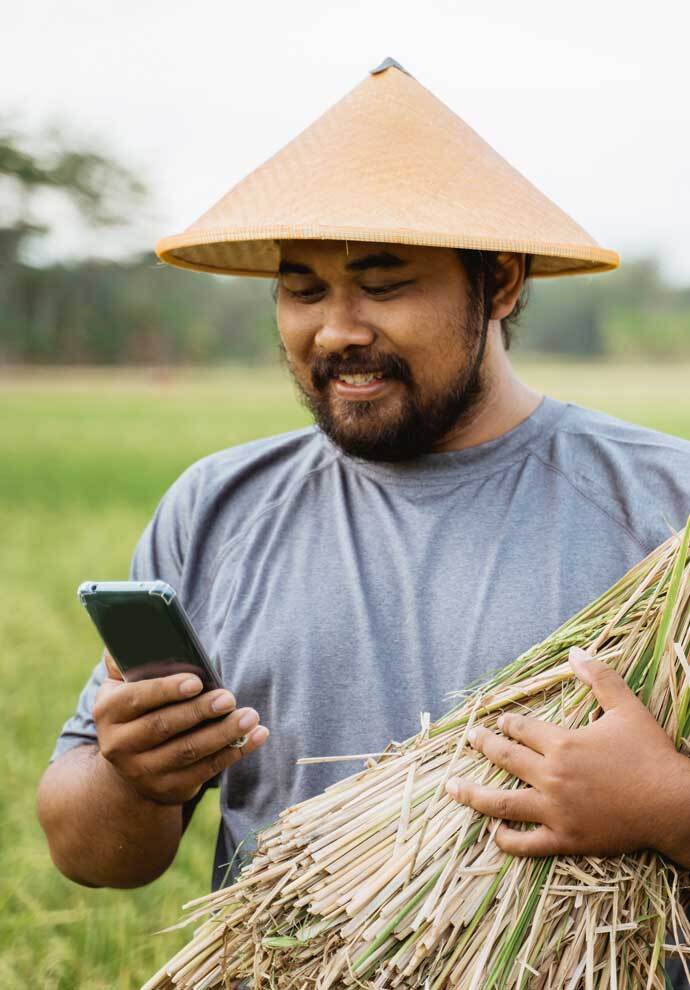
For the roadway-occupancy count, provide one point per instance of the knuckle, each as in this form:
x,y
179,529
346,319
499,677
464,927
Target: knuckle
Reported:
x,y
160,725
561,750
198,712
141,769
553,781
504,752
502,807
132,705
109,747
189,750
100,708
604,674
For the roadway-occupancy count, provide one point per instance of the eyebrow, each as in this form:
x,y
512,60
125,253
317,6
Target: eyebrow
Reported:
x,y
383,259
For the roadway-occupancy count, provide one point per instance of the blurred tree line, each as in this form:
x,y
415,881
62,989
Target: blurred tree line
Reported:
x,y
140,311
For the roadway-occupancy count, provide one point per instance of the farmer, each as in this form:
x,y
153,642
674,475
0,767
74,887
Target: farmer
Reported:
x,y
439,518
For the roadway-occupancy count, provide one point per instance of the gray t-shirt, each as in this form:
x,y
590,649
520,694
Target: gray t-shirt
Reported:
x,y
343,597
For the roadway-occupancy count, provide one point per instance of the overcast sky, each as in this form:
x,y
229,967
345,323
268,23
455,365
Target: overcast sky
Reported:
x,y
591,101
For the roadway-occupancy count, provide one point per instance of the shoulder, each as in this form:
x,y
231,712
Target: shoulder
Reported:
x,y
218,497
284,456
640,476
243,478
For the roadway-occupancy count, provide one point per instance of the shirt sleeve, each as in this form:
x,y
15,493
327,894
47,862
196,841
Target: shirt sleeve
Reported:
x,y
158,555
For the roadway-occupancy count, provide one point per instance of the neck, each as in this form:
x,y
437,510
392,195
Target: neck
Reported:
x,y
505,402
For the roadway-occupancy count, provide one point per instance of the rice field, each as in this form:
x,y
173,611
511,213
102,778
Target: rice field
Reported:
x,y
84,457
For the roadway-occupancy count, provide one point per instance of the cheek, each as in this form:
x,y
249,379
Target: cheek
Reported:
x,y
432,344
295,335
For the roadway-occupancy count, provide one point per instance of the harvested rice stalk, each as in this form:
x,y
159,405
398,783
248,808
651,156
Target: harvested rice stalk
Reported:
x,y
383,881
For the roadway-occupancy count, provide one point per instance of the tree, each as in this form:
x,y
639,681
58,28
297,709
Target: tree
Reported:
x,y
100,188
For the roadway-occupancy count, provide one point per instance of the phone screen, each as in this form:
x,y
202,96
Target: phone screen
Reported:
x,y
147,634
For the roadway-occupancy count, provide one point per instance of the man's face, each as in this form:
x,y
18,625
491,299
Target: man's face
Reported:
x,y
384,343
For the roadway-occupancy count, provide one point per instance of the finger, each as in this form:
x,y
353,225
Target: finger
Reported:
x,y
129,700
511,756
164,723
607,685
523,804
540,841
529,731
196,745
114,672
191,778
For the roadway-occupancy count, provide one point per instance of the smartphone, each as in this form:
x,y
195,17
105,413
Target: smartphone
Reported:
x,y
146,630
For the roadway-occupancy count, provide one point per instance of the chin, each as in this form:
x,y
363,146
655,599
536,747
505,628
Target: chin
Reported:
x,y
373,445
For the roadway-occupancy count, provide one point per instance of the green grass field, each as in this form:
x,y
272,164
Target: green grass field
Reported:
x,y
84,457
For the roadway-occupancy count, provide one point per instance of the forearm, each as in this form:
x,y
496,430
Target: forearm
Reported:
x,y
101,833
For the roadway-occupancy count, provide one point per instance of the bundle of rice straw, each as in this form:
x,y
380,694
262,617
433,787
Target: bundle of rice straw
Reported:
x,y
384,881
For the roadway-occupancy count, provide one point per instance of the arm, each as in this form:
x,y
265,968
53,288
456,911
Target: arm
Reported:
x,y
112,813
131,840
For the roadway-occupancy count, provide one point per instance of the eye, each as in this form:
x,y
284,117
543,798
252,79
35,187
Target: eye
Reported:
x,y
304,294
381,290
310,295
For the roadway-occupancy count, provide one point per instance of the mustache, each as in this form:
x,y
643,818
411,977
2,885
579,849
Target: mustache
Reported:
x,y
328,366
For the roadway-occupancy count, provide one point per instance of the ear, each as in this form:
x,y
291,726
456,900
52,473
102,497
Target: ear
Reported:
x,y
510,278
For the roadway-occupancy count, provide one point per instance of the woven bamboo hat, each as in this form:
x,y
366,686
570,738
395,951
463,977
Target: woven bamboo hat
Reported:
x,y
388,163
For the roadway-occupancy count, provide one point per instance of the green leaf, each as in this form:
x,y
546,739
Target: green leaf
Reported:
x,y
667,615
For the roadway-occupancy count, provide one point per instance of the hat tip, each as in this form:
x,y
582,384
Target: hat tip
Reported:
x,y
388,63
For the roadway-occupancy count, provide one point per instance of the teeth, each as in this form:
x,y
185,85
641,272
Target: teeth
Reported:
x,y
360,379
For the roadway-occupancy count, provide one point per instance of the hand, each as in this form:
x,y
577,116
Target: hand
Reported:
x,y
599,790
150,732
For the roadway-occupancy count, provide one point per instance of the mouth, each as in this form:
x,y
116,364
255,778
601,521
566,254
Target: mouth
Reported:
x,y
361,385
363,378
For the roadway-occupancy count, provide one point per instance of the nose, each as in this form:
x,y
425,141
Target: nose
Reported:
x,y
342,327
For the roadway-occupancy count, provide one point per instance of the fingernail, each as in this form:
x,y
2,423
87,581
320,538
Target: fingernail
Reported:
x,y
260,735
499,722
472,737
191,686
248,720
577,653
223,703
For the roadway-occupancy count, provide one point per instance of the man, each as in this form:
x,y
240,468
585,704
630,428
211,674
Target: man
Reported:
x,y
439,519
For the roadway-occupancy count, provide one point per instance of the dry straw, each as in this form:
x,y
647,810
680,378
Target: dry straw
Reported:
x,y
383,881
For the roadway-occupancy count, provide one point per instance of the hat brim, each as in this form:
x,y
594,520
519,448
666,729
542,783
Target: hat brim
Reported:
x,y
255,252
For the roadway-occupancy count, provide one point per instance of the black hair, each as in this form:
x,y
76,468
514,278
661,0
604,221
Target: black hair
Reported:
x,y
485,274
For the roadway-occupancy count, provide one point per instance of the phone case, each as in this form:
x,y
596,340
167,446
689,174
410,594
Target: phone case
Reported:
x,y
146,630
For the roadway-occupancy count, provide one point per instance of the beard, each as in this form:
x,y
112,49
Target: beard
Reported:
x,y
360,430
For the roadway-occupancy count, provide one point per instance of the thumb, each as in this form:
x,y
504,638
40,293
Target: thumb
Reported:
x,y
111,667
607,685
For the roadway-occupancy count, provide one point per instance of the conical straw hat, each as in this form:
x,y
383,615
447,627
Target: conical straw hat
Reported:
x,y
389,163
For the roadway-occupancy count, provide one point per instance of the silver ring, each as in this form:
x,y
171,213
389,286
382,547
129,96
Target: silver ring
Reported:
x,y
239,743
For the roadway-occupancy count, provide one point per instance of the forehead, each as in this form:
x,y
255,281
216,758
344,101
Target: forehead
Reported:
x,y
353,256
